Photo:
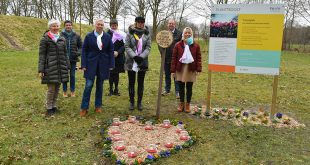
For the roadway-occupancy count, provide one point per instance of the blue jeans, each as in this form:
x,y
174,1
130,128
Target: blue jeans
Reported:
x,y
168,79
87,92
72,78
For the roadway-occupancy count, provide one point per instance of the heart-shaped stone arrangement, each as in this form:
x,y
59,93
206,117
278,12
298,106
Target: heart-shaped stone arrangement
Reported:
x,y
133,140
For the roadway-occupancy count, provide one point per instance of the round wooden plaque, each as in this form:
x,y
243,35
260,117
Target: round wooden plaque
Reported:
x,y
164,38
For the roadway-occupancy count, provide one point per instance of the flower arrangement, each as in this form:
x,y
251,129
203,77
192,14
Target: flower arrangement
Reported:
x,y
245,117
132,130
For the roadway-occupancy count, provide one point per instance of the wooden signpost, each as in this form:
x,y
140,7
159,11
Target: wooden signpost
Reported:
x,y
164,39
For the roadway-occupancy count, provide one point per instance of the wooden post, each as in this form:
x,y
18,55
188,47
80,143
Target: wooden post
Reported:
x,y
160,83
274,96
209,91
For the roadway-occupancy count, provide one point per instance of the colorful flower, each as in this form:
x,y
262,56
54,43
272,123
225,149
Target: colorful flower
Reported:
x,y
151,157
246,114
279,115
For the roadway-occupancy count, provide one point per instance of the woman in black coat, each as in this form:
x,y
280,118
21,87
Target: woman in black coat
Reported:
x,y
53,64
118,38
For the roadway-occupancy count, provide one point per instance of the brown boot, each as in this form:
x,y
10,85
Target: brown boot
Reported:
x,y
181,107
83,112
98,110
187,108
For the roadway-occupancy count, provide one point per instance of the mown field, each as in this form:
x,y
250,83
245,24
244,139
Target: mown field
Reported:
x,y
27,137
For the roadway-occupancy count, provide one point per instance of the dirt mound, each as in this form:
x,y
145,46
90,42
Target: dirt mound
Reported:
x,y
11,41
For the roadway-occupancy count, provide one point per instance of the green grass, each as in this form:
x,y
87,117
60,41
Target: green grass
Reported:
x,y
26,31
26,137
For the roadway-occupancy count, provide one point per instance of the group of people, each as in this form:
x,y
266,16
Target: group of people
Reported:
x,y
104,55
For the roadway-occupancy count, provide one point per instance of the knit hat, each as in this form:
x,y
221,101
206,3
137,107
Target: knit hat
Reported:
x,y
140,19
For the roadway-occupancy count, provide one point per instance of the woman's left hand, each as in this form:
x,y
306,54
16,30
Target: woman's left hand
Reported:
x,y
197,73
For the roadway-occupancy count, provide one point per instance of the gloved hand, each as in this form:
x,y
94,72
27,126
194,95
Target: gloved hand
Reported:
x,y
138,59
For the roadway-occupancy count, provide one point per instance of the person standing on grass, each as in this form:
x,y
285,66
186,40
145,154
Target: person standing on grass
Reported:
x,y
137,47
54,65
97,61
185,65
177,36
74,47
118,38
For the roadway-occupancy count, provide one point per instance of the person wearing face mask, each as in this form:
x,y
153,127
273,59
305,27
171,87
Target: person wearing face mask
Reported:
x,y
185,65
118,38
97,61
53,65
74,48
137,47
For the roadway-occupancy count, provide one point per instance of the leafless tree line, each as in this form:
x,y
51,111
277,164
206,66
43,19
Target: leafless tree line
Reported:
x,y
160,10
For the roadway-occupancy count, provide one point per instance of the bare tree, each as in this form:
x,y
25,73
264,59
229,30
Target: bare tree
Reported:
x,y
161,10
304,11
16,7
185,4
111,7
4,6
138,7
88,10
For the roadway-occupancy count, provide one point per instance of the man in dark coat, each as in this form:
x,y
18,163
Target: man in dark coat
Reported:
x,y
117,38
74,47
177,36
97,61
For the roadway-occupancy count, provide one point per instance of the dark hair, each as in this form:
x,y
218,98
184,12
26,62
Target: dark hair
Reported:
x,y
113,21
140,19
68,21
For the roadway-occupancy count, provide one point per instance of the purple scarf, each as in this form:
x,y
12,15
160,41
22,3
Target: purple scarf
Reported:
x,y
117,36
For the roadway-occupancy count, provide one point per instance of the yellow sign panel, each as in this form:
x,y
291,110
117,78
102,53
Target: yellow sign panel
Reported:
x,y
260,31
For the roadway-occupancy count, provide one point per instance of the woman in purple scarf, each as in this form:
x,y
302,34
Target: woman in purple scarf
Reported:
x,y
118,38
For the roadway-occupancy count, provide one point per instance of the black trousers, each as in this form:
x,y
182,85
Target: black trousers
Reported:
x,y
131,85
114,78
189,89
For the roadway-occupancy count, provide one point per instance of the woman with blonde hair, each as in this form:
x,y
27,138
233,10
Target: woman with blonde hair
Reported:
x,y
185,65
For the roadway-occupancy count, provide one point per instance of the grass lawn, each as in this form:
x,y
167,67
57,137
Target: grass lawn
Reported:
x,y
26,137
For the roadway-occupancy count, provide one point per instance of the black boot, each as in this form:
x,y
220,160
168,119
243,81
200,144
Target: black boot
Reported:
x,y
140,107
111,92
132,98
55,110
116,93
49,112
131,106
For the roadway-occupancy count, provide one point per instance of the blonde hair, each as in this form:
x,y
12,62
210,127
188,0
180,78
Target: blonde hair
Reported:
x,y
53,21
186,28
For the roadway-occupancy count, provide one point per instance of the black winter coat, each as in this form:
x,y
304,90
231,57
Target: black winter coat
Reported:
x,y
74,45
53,60
120,59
